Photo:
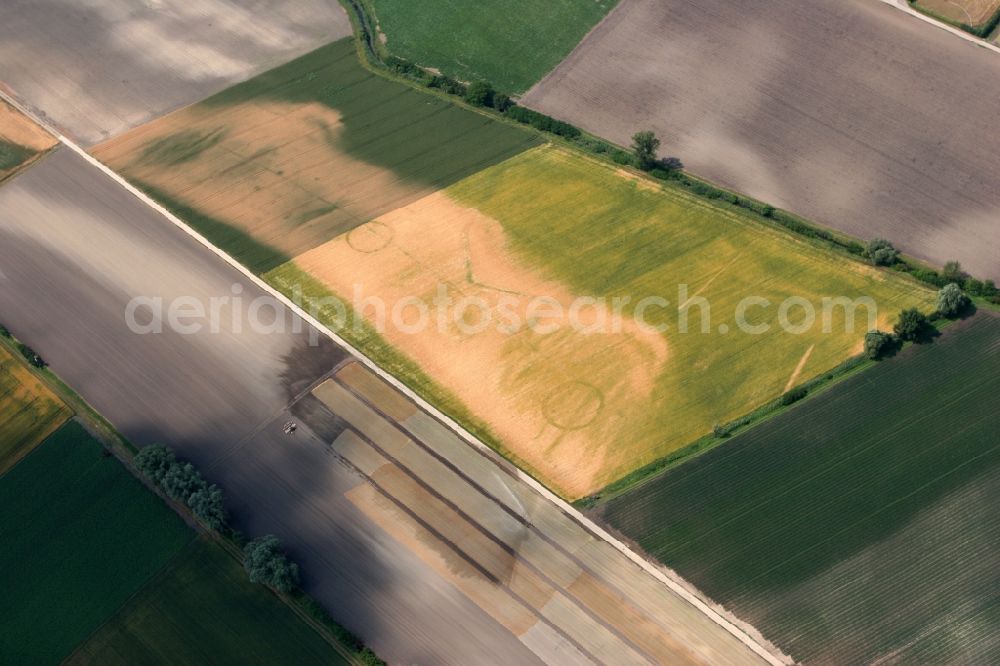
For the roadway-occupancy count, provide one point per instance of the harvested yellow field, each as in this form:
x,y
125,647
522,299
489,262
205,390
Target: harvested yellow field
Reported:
x,y
584,397
29,412
16,128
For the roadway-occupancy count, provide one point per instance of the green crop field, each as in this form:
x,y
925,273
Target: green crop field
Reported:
x,y
201,609
860,525
80,535
581,410
29,411
12,155
289,159
511,43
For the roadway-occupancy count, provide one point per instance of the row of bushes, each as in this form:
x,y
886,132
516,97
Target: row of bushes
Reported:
x,y
789,397
182,482
879,252
912,325
263,558
915,326
29,354
364,653
482,94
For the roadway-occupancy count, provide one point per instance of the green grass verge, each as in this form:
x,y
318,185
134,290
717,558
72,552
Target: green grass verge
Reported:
x,y
80,536
857,525
512,43
243,247
201,609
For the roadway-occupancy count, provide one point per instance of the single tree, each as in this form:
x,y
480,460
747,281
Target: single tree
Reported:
x,y
878,343
645,146
953,272
952,301
154,461
480,93
881,252
207,504
502,102
793,395
266,563
31,356
911,325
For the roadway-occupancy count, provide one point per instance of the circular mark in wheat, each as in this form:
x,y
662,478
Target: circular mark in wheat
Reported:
x,y
370,238
573,405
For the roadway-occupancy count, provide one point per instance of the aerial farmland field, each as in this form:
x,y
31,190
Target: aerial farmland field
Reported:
x,y
510,43
81,535
29,411
95,69
285,161
852,114
973,13
859,527
582,409
202,609
21,140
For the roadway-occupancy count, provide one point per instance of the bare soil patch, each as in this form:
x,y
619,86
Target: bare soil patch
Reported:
x,y
569,409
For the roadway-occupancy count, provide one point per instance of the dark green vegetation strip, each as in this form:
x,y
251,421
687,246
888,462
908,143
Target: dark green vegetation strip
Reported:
x,y
863,522
12,155
202,610
243,247
79,536
182,147
512,43
421,138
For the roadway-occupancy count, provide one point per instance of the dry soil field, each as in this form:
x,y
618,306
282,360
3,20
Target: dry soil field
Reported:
x,y
100,67
850,113
582,406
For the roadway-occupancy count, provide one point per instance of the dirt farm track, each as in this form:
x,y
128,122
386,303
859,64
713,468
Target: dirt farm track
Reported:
x,y
851,113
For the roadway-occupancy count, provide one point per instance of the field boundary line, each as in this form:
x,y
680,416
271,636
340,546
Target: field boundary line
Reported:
x,y
670,581
904,7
